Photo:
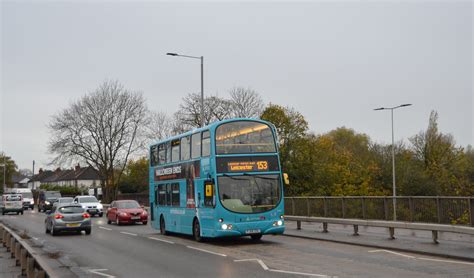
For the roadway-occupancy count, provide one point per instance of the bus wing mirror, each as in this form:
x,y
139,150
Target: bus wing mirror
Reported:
x,y
286,179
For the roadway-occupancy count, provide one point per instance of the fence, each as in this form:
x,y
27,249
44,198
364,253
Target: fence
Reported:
x,y
427,209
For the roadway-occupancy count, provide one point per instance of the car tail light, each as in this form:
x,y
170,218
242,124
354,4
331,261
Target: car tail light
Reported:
x,y
86,215
58,216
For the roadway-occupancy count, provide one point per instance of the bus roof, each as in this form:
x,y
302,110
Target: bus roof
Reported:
x,y
209,126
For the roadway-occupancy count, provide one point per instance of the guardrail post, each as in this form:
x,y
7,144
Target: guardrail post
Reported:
x,y
343,208
363,208
356,230
325,205
435,236
23,261
325,227
385,208
391,230
438,209
410,206
30,267
298,224
307,206
12,247
471,211
17,253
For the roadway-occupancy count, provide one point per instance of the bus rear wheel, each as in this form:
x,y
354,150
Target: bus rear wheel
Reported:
x,y
197,231
162,226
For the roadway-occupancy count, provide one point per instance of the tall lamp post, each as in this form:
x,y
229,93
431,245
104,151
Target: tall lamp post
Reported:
x,y
394,187
202,79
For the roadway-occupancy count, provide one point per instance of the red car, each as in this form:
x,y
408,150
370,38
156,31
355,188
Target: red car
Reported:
x,y
126,211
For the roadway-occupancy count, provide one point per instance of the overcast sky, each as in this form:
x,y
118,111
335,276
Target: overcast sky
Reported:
x,y
332,61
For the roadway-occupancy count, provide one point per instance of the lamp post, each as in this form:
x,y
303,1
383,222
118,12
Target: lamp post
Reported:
x,y
202,79
394,187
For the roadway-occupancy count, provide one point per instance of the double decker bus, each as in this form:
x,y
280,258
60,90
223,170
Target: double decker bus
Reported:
x,y
217,181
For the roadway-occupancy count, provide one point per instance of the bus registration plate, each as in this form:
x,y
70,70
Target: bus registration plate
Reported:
x,y
254,231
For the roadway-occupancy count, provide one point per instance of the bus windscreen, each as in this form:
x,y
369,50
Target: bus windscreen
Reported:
x,y
244,137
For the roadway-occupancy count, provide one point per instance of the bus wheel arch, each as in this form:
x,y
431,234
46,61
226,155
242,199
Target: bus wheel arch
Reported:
x,y
162,225
197,230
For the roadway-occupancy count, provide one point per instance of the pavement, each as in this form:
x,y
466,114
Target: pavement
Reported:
x,y
451,245
141,251
8,268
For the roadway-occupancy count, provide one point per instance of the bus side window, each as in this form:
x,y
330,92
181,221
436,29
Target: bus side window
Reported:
x,y
162,154
154,155
196,145
206,143
185,148
168,194
175,150
175,194
168,152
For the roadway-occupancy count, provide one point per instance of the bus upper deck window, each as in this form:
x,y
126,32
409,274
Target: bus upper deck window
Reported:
x,y
196,145
175,150
206,143
168,152
162,154
185,148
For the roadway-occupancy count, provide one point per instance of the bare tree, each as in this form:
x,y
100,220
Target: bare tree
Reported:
x,y
103,129
188,115
159,126
246,103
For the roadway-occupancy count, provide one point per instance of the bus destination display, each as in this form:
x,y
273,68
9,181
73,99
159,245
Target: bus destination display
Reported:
x,y
247,164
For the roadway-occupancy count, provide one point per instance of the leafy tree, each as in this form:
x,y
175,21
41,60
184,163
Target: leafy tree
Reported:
x,y
9,170
136,176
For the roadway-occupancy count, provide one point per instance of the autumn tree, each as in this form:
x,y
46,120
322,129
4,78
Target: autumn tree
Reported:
x,y
102,129
9,170
135,177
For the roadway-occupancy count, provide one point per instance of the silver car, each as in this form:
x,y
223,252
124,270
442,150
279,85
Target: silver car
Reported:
x,y
67,217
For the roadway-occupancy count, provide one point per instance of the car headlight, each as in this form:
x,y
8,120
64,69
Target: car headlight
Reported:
x,y
32,202
123,214
47,202
84,206
99,206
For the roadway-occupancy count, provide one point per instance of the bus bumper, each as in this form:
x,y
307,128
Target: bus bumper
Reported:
x,y
239,229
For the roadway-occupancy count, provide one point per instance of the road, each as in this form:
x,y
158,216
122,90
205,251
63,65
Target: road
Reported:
x,y
139,251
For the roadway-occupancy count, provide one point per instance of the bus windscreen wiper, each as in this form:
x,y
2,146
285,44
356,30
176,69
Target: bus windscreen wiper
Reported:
x,y
259,176
233,177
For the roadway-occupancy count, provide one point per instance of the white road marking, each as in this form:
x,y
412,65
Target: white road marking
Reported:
x,y
98,272
125,233
104,228
207,251
421,258
391,252
35,238
262,264
266,268
163,240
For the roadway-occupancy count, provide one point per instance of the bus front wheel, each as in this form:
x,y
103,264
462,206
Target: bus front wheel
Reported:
x,y
162,226
256,237
197,231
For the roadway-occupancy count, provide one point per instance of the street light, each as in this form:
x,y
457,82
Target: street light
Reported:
x,y
393,159
202,79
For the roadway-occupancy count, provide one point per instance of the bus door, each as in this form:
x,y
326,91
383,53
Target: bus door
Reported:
x,y
205,194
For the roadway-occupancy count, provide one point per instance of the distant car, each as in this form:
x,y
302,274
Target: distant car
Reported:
x,y
12,203
67,217
46,199
64,200
28,201
90,204
126,211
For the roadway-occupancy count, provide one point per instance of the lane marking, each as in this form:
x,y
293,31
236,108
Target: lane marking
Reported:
x,y
391,252
163,240
266,268
421,258
207,251
262,264
125,233
104,228
98,272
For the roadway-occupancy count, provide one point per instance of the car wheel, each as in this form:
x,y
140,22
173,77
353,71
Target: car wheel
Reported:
x,y
145,222
108,221
101,214
54,232
256,237
88,231
117,221
22,213
46,230
197,231
163,226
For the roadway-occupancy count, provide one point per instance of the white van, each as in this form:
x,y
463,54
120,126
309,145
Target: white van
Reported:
x,y
28,201
12,203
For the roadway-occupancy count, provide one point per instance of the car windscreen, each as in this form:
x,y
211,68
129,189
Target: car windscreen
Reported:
x,y
72,209
127,205
91,199
27,195
52,195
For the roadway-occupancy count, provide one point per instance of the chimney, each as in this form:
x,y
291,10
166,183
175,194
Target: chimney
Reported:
x,y
58,170
40,171
78,167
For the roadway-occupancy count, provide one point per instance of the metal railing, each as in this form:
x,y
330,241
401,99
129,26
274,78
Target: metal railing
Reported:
x,y
426,209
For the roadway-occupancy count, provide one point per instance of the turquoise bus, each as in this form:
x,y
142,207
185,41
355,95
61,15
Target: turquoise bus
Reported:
x,y
218,181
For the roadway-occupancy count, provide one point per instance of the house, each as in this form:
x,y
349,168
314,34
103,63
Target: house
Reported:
x,y
36,180
83,177
20,181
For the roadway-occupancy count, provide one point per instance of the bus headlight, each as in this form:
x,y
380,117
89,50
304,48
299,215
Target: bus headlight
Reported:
x,y
277,223
226,226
